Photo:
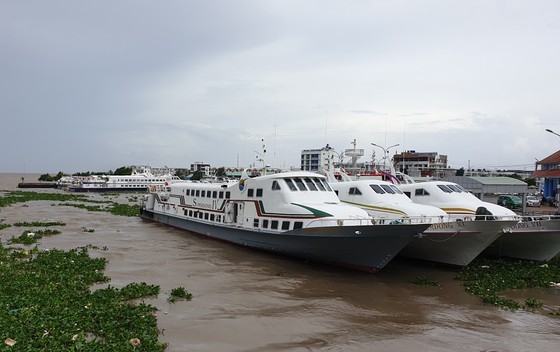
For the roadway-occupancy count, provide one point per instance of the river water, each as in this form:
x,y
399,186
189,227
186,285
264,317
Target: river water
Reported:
x,y
245,300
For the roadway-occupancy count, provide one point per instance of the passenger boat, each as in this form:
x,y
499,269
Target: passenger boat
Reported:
x,y
449,240
293,213
134,182
527,238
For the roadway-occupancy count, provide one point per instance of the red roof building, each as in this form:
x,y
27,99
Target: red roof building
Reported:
x,y
549,169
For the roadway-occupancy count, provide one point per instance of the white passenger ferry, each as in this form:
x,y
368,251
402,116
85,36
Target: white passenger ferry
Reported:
x,y
527,238
134,182
294,213
449,239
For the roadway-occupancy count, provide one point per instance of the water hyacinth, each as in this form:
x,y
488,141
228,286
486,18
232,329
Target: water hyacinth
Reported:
x,y
486,278
48,306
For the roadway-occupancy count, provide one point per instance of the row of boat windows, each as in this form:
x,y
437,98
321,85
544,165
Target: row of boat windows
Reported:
x,y
203,215
135,180
285,225
294,184
257,223
445,188
304,184
208,194
452,188
379,189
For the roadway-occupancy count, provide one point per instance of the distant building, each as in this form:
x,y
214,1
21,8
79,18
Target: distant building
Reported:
x,y
201,167
421,164
315,160
549,169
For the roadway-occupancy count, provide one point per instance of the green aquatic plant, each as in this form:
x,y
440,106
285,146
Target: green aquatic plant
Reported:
x,y
422,280
138,290
110,207
39,223
106,206
486,278
4,225
179,293
533,303
13,197
47,305
30,237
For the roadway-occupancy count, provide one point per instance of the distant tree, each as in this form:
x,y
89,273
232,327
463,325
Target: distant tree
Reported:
x,y
46,177
197,175
460,172
516,176
531,181
221,171
181,174
123,171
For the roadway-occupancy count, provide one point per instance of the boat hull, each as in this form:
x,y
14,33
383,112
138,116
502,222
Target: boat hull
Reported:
x,y
534,240
455,243
366,248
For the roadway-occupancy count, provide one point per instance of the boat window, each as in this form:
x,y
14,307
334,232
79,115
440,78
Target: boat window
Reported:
x,y
310,184
326,184
421,192
461,188
221,194
212,217
259,192
319,184
388,189
275,185
197,193
206,216
455,188
407,194
291,184
203,193
265,224
188,192
285,225
255,222
445,188
377,189
354,190
214,194
300,185
396,189
274,224
298,225
250,192
228,195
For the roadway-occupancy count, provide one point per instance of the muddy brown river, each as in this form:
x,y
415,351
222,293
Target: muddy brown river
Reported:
x,y
246,300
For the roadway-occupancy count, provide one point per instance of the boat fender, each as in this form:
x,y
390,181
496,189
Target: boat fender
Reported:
x,y
373,221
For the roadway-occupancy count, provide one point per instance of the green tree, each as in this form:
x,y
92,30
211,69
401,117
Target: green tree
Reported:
x,y
220,172
197,175
123,171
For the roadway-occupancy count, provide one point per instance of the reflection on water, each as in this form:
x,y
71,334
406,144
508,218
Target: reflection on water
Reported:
x,y
244,300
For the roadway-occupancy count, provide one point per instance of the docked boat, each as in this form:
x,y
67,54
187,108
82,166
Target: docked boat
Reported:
x,y
135,182
526,238
294,213
449,240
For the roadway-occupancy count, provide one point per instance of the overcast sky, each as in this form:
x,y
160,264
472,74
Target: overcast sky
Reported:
x,y
96,85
